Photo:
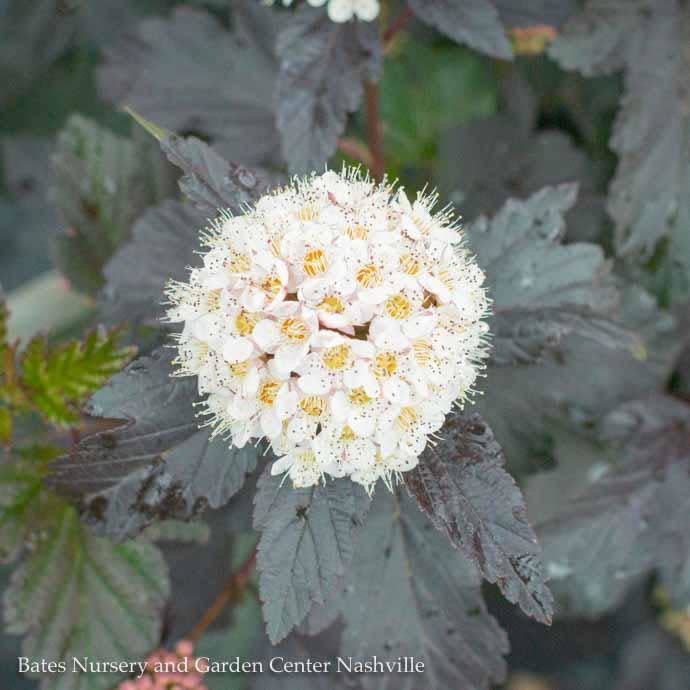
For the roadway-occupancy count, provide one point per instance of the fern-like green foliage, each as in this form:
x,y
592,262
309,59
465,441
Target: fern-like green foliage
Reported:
x,y
57,379
79,595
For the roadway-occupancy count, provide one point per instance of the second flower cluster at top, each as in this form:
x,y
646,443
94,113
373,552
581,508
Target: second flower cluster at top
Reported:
x,y
336,319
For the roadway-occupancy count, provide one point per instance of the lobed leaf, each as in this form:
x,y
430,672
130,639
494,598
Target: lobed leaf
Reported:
x,y
461,484
21,502
157,463
648,197
630,520
57,379
410,595
163,243
189,74
322,67
306,545
209,181
541,289
103,182
491,159
77,595
578,381
516,13
652,658
475,23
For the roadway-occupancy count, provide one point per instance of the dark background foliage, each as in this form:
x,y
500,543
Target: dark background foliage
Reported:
x,y
559,130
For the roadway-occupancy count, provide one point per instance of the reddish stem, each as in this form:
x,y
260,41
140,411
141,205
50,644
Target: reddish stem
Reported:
x,y
356,150
396,25
230,591
371,97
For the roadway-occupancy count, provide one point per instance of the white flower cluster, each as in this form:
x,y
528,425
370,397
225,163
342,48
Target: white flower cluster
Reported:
x,y
345,10
336,319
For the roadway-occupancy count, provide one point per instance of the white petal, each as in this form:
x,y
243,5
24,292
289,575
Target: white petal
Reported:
x,y
362,424
270,423
283,464
396,391
340,407
266,334
287,359
252,299
313,384
419,326
237,349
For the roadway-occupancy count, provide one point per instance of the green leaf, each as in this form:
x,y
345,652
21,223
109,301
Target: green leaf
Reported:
x,y
322,66
462,485
57,379
542,290
24,505
448,86
240,637
157,464
306,545
103,182
5,425
76,595
4,316
473,22
409,594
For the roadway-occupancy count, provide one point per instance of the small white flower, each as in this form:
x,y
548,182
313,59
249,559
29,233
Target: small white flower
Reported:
x,y
336,319
345,10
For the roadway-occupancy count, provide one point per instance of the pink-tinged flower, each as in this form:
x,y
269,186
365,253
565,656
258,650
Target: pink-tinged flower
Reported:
x,y
337,319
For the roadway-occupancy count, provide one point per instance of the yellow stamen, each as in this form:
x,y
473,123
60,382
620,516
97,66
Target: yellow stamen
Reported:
x,y
308,212
336,357
313,405
385,365
347,435
294,330
245,322
213,299
398,307
274,245
307,457
356,232
239,369
422,351
409,265
406,418
314,262
268,391
357,396
332,304
271,285
369,276
238,263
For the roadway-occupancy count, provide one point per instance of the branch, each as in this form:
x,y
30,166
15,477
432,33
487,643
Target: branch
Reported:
x,y
355,149
230,592
396,25
371,97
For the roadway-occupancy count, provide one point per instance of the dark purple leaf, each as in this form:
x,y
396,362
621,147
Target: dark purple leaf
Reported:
x,y
462,485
